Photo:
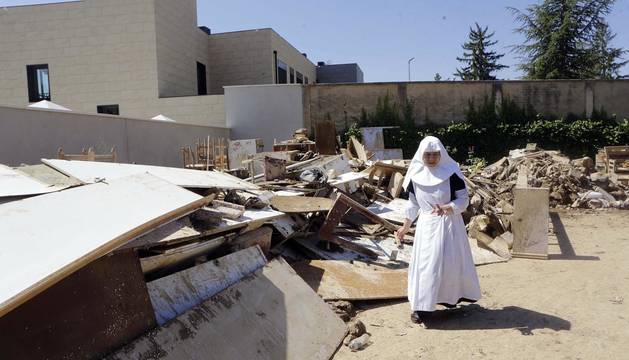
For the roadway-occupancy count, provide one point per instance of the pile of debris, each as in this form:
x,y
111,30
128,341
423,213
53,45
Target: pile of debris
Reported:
x,y
183,253
572,183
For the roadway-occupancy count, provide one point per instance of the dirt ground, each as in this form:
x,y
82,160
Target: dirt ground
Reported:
x,y
573,306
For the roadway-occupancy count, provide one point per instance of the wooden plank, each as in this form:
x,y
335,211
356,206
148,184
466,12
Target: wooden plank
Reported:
x,y
483,256
325,137
342,280
88,314
395,184
91,172
16,183
227,209
76,226
180,254
361,154
530,222
173,295
292,204
259,237
270,314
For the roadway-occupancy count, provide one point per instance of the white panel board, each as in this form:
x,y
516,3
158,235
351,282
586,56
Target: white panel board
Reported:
x,y
91,172
46,238
172,295
16,183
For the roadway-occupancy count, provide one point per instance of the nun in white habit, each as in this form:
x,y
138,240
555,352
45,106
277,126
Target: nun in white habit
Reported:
x,y
442,269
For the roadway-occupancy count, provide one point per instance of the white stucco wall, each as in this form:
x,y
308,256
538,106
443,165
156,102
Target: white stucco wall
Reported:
x,y
264,111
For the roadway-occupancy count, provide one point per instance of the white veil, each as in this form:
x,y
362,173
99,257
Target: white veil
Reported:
x,y
427,176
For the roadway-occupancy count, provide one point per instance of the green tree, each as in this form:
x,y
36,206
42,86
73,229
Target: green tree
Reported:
x,y
437,77
559,37
479,62
607,59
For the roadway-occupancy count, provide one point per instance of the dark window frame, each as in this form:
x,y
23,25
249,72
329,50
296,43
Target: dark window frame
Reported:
x,y
282,72
299,77
32,82
292,75
201,79
112,109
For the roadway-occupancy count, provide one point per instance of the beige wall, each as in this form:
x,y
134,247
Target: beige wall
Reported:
x,y
99,52
292,57
26,136
180,44
241,57
443,102
208,110
246,58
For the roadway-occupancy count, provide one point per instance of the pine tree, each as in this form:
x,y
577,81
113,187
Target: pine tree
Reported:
x,y
559,37
607,60
480,62
437,77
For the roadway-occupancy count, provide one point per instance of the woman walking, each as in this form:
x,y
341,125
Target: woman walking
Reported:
x,y
441,270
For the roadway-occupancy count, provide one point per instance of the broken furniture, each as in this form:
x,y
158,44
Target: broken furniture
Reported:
x,y
88,155
342,204
210,154
614,161
393,171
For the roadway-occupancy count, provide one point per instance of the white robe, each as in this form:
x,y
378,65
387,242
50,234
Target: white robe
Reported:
x,y
442,268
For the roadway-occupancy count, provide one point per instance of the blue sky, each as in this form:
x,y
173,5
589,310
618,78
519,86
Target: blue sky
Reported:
x,y
382,35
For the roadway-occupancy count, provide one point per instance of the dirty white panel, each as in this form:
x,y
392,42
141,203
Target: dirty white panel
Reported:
x,y
92,171
173,295
16,183
46,238
270,314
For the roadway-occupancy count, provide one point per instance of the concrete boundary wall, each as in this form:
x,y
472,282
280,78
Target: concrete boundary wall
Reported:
x,y
446,101
28,135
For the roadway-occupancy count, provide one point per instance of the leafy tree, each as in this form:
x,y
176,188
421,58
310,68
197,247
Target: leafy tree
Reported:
x,y
607,60
479,61
560,37
437,77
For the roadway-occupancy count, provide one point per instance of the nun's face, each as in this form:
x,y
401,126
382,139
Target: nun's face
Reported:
x,y
431,158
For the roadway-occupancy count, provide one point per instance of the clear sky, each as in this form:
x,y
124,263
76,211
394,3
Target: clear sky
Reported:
x,y
382,35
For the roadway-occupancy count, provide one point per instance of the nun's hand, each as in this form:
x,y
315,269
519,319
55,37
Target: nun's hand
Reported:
x,y
436,209
446,209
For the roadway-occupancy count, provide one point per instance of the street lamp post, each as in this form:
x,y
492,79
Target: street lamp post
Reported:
x,y
409,68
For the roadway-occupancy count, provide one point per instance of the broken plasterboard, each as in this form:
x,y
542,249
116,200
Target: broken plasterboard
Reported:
x,y
92,171
392,211
270,314
303,204
344,280
50,236
16,183
174,294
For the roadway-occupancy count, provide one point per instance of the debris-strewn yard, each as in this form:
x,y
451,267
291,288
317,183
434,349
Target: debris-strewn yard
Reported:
x,y
573,306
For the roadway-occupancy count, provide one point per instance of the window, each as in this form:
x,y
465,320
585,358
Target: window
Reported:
x,y
292,75
201,79
300,78
108,109
306,80
282,71
38,82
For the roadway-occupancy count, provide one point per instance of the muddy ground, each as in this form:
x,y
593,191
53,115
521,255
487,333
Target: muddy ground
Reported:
x,y
573,306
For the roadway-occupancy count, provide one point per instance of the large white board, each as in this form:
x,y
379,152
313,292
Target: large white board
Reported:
x,y
45,238
16,183
92,171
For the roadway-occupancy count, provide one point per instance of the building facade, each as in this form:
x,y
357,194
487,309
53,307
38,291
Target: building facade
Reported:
x,y
134,58
339,73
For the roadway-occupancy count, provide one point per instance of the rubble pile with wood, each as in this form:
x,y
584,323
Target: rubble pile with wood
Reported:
x,y
126,261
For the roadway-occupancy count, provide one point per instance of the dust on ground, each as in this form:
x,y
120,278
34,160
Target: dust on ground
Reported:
x,y
573,306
